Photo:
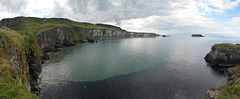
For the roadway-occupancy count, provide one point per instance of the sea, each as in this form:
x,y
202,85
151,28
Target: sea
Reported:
x,y
133,68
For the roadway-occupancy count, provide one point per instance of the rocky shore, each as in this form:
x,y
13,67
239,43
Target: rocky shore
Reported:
x,y
225,55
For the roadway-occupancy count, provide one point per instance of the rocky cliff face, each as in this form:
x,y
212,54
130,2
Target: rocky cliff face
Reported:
x,y
60,37
224,55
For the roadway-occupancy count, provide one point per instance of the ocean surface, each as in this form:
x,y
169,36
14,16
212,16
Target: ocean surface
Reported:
x,y
133,68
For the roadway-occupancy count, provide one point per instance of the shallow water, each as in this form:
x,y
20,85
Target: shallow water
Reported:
x,y
130,68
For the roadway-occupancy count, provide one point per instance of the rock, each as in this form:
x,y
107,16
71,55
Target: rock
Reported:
x,y
165,35
91,40
224,55
197,35
45,56
233,73
212,94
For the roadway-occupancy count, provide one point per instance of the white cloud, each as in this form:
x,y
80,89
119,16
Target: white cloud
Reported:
x,y
41,4
234,27
6,15
234,21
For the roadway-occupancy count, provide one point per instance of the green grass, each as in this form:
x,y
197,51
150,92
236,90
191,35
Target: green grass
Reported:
x,y
232,89
10,35
9,85
233,46
38,25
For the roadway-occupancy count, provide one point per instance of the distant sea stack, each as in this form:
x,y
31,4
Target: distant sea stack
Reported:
x,y
224,55
197,35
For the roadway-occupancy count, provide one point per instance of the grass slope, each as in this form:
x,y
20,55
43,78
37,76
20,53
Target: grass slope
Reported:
x,y
38,25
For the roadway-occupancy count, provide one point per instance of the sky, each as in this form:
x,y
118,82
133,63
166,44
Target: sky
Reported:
x,y
215,17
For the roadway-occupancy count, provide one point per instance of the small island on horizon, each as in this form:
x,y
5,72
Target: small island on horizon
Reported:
x,y
197,35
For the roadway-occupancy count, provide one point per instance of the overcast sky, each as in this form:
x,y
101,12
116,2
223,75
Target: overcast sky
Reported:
x,y
159,16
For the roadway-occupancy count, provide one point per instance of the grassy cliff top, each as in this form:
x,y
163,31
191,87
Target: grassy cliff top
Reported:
x,y
20,40
38,25
233,46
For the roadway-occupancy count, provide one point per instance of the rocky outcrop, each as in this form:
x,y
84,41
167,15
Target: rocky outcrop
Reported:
x,y
223,55
55,38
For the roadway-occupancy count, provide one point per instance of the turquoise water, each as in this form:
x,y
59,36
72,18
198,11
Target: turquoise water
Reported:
x,y
175,64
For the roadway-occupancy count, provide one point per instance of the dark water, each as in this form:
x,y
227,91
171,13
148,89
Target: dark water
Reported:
x,y
133,68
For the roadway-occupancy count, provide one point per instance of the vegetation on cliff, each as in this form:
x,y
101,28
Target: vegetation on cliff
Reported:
x,y
10,86
233,46
229,91
38,25
15,49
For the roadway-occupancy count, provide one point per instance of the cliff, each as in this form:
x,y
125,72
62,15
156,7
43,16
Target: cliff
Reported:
x,y
25,41
20,64
226,55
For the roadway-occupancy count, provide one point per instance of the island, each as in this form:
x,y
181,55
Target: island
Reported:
x,y
26,41
165,35
197,35
225,55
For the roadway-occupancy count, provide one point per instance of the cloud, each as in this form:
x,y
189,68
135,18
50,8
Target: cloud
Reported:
x,y
14,6
234,27
164,16
235,21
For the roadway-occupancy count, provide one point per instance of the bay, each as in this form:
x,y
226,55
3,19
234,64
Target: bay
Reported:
x,y
133,68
